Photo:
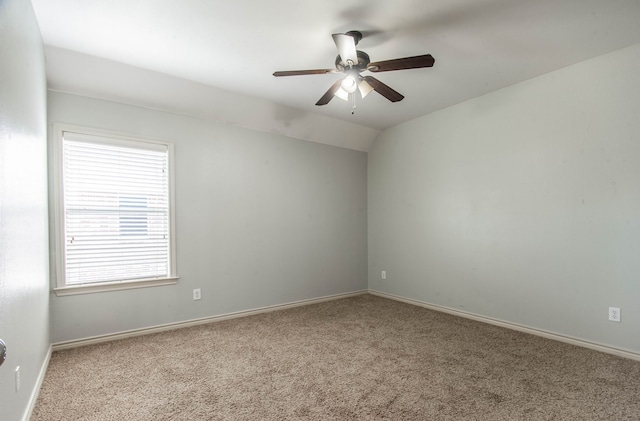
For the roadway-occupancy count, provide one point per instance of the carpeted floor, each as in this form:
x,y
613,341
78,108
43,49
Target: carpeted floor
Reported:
x,y
357,358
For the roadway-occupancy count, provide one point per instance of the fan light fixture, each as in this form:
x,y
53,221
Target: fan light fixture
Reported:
x,y
347,87
342,94
365,88
349,84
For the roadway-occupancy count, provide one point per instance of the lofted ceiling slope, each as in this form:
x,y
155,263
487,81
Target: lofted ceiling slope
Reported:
x,y
234,46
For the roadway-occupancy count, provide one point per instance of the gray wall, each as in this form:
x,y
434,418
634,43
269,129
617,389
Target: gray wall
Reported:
x,y
262,219
24,286
522,205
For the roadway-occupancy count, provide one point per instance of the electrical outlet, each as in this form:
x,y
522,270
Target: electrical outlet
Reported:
x,y
196,294
383,274
17,378
614,314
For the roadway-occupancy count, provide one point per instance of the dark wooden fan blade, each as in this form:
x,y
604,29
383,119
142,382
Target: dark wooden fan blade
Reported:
x,y
329,94
383,89
303,72
415,62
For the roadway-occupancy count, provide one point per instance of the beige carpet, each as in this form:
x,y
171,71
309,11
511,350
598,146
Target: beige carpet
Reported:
x,y
357,358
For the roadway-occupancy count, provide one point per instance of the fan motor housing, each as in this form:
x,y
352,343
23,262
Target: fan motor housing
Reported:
x,y
363,62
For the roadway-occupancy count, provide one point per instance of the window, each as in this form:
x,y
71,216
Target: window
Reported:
x,y
114,223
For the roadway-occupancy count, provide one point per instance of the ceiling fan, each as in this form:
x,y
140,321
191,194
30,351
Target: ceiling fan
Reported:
x,y
352,62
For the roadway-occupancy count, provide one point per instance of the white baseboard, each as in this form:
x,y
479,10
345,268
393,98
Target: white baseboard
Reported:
x,y
194,322
513,326
36,389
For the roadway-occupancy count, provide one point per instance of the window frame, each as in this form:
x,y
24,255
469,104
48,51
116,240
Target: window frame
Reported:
x,y
60,287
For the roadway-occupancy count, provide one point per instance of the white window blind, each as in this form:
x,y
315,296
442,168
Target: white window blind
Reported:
x,y
116,209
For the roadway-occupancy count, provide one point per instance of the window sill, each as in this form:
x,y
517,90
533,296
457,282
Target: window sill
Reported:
x,y
113,286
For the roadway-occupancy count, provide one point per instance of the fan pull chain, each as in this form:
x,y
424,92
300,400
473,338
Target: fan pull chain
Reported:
x,y
353,102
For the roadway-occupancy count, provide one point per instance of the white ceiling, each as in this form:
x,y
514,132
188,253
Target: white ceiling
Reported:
x,y
479,45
